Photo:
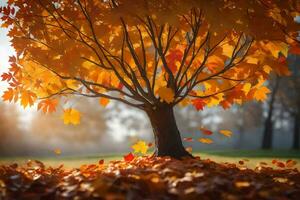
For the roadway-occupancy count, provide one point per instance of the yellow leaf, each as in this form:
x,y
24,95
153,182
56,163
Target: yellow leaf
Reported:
x,y
140,147
247,87
71,116
261,93
227,133
103,102
166,94
205,140
267,69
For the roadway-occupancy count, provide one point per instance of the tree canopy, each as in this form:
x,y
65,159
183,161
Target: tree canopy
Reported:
x,y
147,53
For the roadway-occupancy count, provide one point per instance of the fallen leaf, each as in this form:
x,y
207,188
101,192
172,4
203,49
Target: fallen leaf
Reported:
x,y
129,157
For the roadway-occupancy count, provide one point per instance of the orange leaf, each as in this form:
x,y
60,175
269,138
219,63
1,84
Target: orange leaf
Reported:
x,y
205,140
27,98
48,105
10,95
103,102
227,133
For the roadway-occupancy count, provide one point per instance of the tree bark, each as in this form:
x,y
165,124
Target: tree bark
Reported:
x,y
268,131
296,131
166,134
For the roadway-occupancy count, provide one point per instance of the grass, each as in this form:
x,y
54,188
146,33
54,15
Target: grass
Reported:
x,y
232,156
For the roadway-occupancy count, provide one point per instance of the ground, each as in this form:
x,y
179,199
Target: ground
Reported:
x,y
274,175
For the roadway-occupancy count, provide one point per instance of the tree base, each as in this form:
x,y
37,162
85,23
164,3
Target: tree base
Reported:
x,y
174,154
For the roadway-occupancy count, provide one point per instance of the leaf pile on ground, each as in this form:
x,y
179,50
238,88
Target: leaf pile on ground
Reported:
x,y
148,178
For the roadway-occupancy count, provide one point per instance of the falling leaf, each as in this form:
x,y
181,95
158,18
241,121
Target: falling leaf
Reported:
x,y
140,147
166,94
104,102
226,133
71,116
129,157
206,131
188,139
205,140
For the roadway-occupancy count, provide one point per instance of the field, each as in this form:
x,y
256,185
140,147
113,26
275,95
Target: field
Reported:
x,y
251,158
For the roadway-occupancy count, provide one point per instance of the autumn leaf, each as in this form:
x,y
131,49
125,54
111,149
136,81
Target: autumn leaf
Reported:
x,y
188,139
10,94
166,94
140,147
198,104
103,102
205,140
27,98
71,116
206,131
261,93
129,157
48,105
226,133
6,76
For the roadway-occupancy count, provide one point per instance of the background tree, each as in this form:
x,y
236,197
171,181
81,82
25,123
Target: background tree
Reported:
x,y
151,55
289,96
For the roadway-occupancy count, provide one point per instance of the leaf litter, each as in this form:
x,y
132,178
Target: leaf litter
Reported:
x,y
147,177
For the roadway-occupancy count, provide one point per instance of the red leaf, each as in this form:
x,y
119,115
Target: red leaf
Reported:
x,y
206,131
6,76
150,144
198,104
129,157
189,139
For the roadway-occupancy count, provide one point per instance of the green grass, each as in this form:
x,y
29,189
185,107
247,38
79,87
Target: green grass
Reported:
x,y
232,156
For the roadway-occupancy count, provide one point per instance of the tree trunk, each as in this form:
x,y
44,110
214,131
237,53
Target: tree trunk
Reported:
x,y
268,131
167,136
268,134
296,131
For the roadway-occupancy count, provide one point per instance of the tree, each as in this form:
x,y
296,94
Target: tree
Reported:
x,y
289,97
151,55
